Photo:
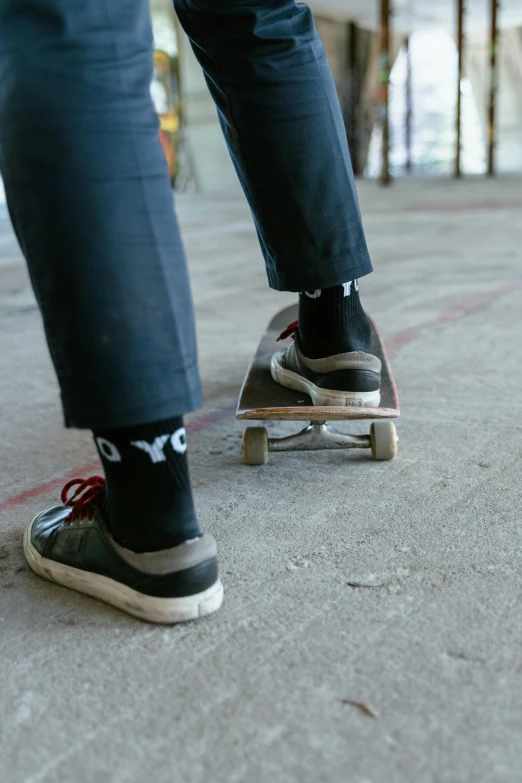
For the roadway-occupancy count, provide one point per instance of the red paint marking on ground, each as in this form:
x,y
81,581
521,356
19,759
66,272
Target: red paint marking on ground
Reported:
x,y
448,207
453,314
89,468
49,486
476,207
210,418
402,338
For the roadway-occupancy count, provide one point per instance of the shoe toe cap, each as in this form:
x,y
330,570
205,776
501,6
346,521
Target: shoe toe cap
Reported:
x,y
44,525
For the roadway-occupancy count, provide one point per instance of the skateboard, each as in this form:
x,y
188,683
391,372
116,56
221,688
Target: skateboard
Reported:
x,y
262,399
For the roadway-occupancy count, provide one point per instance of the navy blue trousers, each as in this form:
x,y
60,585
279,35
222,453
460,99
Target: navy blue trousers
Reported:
x,y
89,195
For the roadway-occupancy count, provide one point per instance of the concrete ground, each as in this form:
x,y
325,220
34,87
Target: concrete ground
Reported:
x,y
259,693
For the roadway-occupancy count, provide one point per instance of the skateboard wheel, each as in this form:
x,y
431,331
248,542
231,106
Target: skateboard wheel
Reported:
x,y
255,446
383,437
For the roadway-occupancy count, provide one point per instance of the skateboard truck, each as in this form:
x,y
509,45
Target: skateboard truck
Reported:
x,y
317,436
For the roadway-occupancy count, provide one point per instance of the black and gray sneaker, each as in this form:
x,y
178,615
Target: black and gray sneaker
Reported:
x,y
71,545
345,379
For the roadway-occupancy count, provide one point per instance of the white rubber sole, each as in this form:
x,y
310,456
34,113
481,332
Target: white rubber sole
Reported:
x,y
145,607
320,397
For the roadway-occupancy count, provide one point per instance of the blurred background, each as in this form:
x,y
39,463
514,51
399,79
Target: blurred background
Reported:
x,y
421,55
442,77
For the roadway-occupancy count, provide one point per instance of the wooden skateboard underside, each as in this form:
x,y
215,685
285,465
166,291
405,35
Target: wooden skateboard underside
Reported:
x,y
262,398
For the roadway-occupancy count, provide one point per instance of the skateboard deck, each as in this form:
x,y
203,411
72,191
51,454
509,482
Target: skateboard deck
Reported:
x,y
262,398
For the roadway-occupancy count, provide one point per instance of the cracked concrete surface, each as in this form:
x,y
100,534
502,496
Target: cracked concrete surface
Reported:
x,y
267,691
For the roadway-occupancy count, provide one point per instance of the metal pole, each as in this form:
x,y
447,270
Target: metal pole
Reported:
x,y
460,70
493,86
384,92
409,105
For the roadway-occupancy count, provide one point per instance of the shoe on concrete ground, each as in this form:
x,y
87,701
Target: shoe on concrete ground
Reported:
x,y
345,379
71,545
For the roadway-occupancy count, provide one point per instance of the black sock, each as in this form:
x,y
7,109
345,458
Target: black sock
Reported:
x,y
333,321
149,498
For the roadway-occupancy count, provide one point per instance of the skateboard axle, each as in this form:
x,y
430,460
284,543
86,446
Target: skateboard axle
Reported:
x,y
319,435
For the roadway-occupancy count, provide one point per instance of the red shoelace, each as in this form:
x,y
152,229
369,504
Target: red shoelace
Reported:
x,y
88,494
289,331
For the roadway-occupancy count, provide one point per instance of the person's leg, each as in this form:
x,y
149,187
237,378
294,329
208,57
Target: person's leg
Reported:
x,y
90,200
268,73
89,196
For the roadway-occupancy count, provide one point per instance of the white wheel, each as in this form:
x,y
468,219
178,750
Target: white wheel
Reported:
x,y
255,446
384,440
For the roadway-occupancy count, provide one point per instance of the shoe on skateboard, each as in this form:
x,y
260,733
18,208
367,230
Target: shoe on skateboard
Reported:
x,y
352,378
291,387
71,545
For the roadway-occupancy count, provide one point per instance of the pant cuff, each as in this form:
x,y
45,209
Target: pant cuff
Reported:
x,y
155,410
303,278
